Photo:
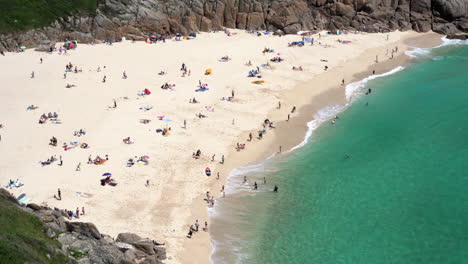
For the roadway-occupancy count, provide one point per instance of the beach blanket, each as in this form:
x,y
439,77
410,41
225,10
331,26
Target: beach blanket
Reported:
x,y
202,89
15,184
84,195
142,163
23,199
146,108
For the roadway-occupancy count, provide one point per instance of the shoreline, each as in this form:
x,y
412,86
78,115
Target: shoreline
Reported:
x,y
165,208
289,134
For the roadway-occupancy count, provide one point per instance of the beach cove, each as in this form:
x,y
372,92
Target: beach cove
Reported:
x,y
384,183
161,197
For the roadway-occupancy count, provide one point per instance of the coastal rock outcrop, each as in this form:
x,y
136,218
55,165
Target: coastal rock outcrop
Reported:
x,y
82,242
136,19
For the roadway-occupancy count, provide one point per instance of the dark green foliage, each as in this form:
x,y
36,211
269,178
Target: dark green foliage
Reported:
x,y
20,15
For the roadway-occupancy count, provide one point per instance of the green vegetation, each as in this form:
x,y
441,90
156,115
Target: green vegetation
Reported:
x,y
22,238
20,15
77,254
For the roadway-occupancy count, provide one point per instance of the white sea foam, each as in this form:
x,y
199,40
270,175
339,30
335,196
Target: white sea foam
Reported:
x,y
321,116
416,52
234,180
447,42
353,88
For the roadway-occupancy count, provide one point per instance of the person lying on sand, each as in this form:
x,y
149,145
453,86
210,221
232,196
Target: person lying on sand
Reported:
x,y
127,140
32,107
297,68
225,59
53,141
70,85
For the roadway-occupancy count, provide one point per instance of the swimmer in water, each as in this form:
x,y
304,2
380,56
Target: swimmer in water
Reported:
x,y
347,156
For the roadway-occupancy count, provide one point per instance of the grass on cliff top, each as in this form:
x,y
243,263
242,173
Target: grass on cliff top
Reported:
x,y
20,15
22,239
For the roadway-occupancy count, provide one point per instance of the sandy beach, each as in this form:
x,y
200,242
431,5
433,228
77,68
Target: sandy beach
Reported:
x,y
165,208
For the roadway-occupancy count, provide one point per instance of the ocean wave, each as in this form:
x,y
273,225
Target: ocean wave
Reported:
x,y
330,112
235,181
321,116
447,42
416,52
353,88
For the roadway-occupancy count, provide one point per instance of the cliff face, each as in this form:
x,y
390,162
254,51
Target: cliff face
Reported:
x,y
37,234
137,18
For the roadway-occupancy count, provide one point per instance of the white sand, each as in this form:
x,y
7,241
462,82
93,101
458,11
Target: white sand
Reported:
x,y
161,211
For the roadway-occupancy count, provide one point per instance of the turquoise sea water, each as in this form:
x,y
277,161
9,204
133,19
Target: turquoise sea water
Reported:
x,y
401,197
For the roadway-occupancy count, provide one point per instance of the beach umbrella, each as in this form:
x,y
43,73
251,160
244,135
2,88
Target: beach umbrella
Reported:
x,y
107,174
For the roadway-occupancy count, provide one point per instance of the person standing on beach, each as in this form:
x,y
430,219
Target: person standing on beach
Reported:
x,y
342,82
279,105
32,74
213,157
61,161
222,159
41,60
104,79
196,225
280,148
293,110
288,118
78,168
275,189
245,179
185,124
217,176
250,136
255,186
115,104
82,211
59,194
206,227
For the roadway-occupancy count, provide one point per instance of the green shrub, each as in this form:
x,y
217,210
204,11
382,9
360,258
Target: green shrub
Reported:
x,y
20,15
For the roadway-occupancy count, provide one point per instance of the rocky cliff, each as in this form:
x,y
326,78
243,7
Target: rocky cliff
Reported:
x,y
137,18
37,234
